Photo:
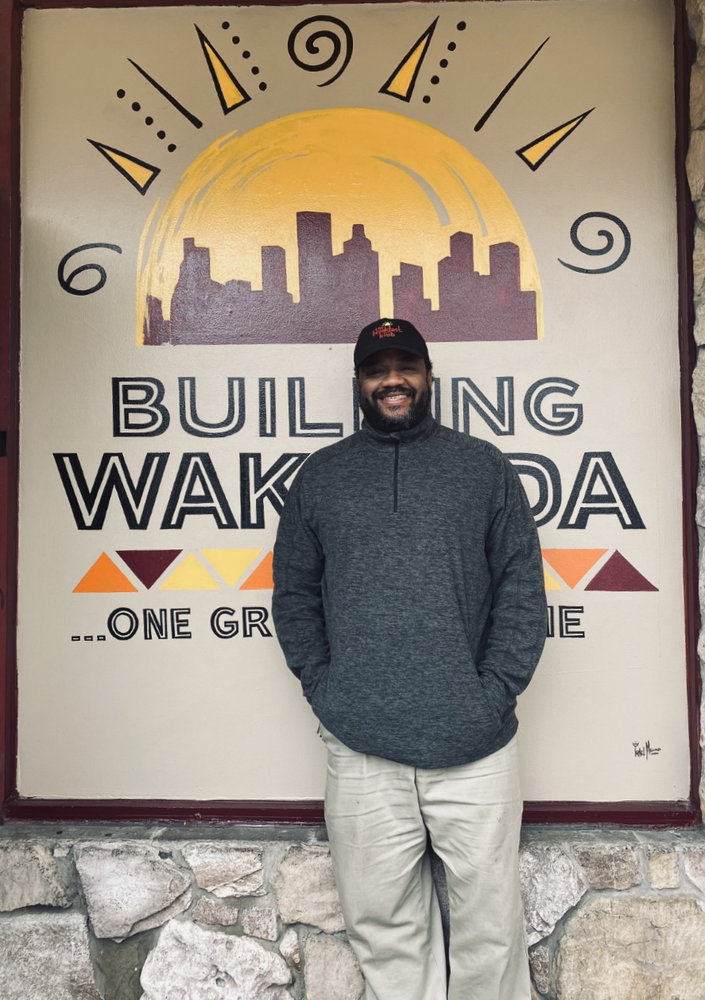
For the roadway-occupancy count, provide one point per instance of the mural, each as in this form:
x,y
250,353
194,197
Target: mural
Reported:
x,y
229,202
363,171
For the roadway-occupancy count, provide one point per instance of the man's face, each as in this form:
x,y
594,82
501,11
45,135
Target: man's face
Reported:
x,y
395,390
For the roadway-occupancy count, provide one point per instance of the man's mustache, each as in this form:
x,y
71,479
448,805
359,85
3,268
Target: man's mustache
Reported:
x,y
381,393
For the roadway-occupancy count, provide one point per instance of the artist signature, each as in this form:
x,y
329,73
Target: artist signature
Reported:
x,y
646,750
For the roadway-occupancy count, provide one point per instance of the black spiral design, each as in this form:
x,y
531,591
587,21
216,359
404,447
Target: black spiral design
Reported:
x,y
66,282
341,43
605,248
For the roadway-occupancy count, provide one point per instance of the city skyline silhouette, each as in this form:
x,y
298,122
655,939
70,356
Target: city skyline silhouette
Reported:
x,y
340,293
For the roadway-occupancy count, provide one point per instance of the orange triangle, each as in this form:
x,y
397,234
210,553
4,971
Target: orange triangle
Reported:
x,y
261,579
572,564
104,577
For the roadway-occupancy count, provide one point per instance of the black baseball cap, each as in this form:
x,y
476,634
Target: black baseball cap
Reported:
x,y
386,334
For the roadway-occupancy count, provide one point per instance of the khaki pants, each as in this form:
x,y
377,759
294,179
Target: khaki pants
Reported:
x,y
379,815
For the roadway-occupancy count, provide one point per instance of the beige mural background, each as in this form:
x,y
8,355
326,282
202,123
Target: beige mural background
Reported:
x,y
210,718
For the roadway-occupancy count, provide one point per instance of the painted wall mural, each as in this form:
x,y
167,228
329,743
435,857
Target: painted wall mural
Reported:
x,y
215,201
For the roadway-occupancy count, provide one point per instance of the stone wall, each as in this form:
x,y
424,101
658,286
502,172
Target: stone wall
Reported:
x,y
248,913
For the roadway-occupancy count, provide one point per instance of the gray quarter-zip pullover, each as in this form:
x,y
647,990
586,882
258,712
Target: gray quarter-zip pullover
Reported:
x,y
409,595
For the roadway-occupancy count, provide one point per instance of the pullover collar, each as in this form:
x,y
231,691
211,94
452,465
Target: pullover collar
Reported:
x,y
413,435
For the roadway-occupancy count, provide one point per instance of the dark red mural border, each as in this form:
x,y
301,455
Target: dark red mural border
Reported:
x,y
684,54
10,43
14,807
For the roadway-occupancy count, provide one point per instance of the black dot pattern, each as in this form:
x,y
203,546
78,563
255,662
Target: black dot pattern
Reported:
x,y
245,53
136,106
443,63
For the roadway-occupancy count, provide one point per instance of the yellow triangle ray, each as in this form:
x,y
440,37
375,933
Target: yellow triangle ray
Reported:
x,y
137,172
550,581
231,563
536,152
190,574
230,93
402,81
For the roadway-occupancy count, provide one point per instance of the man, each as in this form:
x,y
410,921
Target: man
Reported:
x,y
409,600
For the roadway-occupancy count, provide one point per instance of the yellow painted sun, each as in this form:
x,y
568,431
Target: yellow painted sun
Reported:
x,y
408,184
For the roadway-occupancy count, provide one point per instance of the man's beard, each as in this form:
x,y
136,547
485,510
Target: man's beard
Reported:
x,y
388,424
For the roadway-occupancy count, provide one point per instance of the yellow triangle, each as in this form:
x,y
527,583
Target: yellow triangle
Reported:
x,y
140,175
231,93
550,581
137,172
231,563
536,152
401,83
191,574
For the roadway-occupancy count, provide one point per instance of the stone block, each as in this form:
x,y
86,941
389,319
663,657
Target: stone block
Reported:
x,y
609,866
306,891
129,887
550,886
215,911
694,864
632,948
330,970
29,876
695,18
260,922
664,872
698,261
701,654
289,947
699,326
194,963
695,164
699,396
700,508
539,960
226,870
700,210
44,956
697,95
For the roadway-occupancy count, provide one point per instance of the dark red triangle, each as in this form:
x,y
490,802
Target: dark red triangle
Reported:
x,y
619,574
149,564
